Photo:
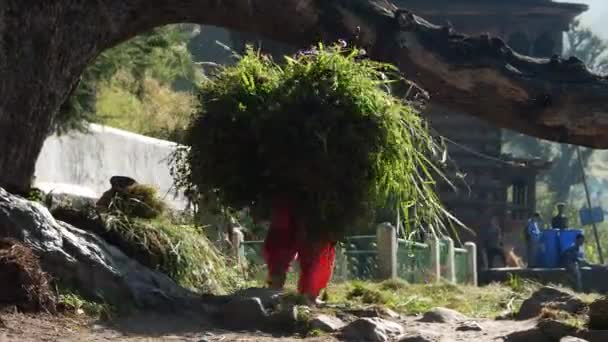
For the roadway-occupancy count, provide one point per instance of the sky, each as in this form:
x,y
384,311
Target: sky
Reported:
x,y
598,9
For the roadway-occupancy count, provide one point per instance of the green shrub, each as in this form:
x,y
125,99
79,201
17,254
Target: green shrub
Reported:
x,y
321,129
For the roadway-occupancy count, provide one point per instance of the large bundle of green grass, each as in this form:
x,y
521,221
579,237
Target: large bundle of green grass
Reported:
x,y
321,129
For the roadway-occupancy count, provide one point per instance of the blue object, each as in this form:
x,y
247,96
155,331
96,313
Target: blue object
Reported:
x,y
567,237
550,252
595,215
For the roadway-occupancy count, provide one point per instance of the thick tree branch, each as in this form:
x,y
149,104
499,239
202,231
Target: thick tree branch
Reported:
x,y
555,99
45,46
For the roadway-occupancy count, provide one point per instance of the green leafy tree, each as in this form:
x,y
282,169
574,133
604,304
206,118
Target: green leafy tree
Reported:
x,y
160,54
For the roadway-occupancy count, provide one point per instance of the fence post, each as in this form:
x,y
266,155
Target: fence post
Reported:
x,y
451,266
341,264
471,262
237,245
386,236
435,245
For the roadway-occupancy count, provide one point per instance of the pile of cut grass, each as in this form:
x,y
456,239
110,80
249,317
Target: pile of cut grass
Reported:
x,y
165,243
139,200
183,252
320,130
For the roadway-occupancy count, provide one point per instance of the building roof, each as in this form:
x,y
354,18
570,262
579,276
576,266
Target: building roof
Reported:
x,y
476,7
530,163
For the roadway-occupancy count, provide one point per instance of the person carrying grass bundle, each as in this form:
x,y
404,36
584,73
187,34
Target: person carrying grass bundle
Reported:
x,y
313,145
287,239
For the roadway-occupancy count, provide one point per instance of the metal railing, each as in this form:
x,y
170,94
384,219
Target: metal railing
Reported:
x,y
357,259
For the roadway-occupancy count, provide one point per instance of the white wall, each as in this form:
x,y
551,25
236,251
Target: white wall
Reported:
x,y
82,164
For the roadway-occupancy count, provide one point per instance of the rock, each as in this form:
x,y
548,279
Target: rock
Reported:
x,y
598,314
327,323
121,182
593,335
286,319
270,298
388,313
83,260
374,311
244,313
371,329
421,336
572,339
469,326
551,298
555,330
443,315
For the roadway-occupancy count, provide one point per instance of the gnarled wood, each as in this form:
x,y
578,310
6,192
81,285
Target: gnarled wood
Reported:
x,y
45,45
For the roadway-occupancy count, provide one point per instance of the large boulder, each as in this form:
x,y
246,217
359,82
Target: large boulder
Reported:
x,y
598,314
83,260
549,298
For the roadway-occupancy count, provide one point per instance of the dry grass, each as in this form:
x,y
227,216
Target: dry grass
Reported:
x,y
24,284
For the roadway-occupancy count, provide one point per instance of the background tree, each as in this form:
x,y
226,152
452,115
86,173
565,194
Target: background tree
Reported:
x,y
565,172
142,85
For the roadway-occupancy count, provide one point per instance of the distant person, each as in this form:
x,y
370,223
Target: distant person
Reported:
x,y
560,221
573,259
533,239
493,243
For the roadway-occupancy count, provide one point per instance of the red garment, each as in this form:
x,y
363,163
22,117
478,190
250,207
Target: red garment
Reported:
x,y
286,240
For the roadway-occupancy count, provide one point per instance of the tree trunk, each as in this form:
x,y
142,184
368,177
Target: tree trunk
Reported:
x,y
41,58
45,46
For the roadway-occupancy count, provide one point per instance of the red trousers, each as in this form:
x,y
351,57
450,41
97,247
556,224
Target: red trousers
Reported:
x,y
286,240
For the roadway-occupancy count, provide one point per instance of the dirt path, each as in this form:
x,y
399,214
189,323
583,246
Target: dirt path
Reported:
x,y
34,328
23,327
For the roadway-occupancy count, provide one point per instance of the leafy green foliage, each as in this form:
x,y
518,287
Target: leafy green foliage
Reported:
x,y
321,130
160,56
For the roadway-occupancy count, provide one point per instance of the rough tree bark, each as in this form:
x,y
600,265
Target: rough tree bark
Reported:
x,y
45,45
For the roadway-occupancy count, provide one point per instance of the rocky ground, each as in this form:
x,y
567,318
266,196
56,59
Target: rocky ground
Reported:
x,y
378,324
23,327
35,248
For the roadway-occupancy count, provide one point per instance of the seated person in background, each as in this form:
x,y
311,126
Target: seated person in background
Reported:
x,y
493,243
560,221
573,259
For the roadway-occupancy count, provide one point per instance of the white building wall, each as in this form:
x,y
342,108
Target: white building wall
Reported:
x,y
82,164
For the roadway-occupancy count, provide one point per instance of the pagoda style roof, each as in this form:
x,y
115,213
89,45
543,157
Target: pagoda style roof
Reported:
x,y
479,7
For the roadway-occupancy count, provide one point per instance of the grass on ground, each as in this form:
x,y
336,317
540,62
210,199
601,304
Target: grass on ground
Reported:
x,y
491,301
412,299
72,303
